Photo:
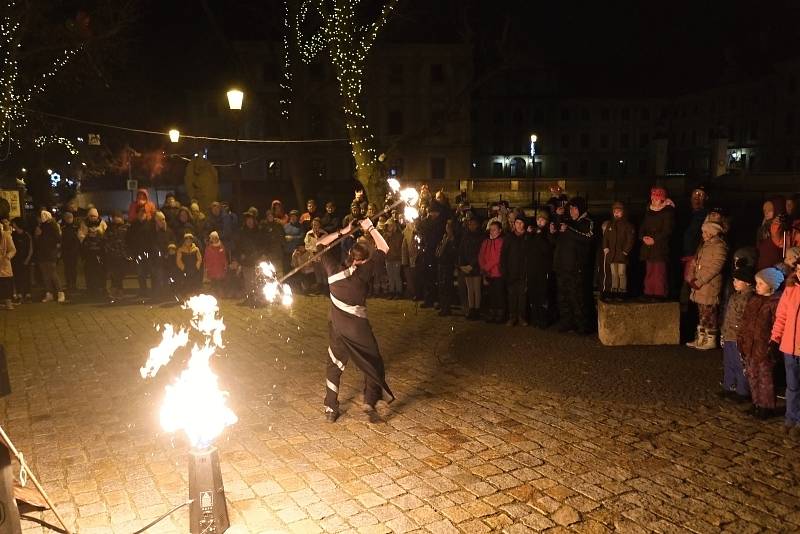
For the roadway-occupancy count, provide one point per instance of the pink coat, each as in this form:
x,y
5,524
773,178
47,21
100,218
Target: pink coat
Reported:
x,y
786,329
216,262
489,257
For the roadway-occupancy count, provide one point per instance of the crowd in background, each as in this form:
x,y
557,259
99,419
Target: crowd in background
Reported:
x,y
543,267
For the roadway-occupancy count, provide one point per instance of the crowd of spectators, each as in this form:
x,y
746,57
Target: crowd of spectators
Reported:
x,y
545,268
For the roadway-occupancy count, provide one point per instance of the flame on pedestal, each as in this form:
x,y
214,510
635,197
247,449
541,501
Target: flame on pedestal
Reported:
x,y
272,289
194,403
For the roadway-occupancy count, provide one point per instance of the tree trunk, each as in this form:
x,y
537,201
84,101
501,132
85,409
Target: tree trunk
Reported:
x,y
368,168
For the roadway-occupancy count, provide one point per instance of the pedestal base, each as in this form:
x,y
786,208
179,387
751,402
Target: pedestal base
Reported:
x,y
639,323
209,511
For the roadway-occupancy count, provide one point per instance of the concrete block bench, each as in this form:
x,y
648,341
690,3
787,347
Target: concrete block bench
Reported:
x,y
638,323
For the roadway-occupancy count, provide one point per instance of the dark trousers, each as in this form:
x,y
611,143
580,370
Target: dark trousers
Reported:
x,y
116,271
497,297
419,279
144,270
540,299
445,283
517,291
429,280
573,299
95,273
22,278
71,270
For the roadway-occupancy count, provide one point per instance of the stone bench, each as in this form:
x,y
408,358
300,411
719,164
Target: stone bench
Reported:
x,y
638,323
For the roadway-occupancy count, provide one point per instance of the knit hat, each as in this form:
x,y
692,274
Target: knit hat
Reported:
x,y
544,214
580,203
45,216
294,212
658,192
617,206
792,255
772,277
213,236
188,235
160,216
747,255
744,272
93,212
712,228
252,210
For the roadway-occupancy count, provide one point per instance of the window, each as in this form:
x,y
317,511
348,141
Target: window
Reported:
x,y
565,141
319,169
603,140
395,74
564,168
274,168
583,168
626,114
642,166
605,114
584,140
395,126
269,72
644,140
624,141
694,138
437,73
497,168
564,114
396,167
438,168
515,185
516,118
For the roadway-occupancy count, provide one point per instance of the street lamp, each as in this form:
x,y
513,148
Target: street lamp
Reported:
x,y
534,138
235,99
174,135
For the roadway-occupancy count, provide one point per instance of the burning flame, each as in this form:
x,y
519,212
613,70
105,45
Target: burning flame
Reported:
x,y
409,195
410,213
194,403
394,184
273,289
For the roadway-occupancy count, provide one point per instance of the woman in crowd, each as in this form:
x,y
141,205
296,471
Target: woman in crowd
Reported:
x,y
785,340
706,284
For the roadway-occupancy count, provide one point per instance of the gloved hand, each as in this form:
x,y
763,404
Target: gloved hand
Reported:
x,y
774,352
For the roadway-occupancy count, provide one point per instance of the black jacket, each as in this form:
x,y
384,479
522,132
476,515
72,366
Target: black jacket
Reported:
x,y
47,243
574,246
468,250
330,222
141,238
514,257
540,264
70,242
249,246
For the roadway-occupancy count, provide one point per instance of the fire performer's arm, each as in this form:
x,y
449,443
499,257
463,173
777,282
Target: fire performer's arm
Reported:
x,y
380,242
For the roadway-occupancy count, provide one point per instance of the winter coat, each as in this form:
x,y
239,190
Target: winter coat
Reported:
x,y
734,312
619,237
141,239
7,252
116,238
330,223
395,242
754,334
274,240
93,246
149,207
249,246
657,224
189,259
447,252
161,242
431,232
468,251
410,249
693,235
311,240
786,329
542,244
294,236
515,257
709,261
47,243
216,262
23,243
70,240
574,246
770,244
490,256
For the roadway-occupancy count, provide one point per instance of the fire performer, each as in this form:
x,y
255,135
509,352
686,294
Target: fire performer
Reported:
x,y
350,333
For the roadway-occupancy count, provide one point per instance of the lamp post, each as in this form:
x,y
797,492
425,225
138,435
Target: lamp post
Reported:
x,y
174,135
235,100
534,138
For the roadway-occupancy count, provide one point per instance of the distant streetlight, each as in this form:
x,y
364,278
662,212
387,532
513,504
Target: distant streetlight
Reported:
x,y
174,135
534,198
235,99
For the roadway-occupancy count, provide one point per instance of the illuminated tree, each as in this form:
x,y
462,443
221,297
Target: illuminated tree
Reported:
x,y
340,30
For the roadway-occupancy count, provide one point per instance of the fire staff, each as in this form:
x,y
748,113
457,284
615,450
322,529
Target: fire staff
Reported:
x,y
351,336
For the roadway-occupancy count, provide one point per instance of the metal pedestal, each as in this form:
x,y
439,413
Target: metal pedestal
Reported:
x,y
209,511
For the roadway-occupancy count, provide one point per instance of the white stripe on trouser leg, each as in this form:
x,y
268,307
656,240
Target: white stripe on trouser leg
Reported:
x,y
331,386
339,364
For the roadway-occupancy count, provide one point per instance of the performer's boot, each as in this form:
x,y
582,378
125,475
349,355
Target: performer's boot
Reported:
x,y
331,415
372,414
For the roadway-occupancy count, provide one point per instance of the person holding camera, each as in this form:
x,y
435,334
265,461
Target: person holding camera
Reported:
x,y
350,334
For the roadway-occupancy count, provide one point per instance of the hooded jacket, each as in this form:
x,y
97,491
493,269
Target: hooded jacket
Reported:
x,y
515,257
769,242
490,256
658,224
709,261
574,245
7,252
468,251
786,329
149,207
619,238
48,241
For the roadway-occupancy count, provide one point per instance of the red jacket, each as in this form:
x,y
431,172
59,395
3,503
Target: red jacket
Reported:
x,y
786,329
216,262
489,257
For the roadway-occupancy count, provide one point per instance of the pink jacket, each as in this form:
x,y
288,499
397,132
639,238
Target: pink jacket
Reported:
x,y
216,262
489,257
786,329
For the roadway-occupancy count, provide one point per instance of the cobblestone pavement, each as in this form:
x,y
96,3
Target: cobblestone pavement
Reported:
x,y
494,429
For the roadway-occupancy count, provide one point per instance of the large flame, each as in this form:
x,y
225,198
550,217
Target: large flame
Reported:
x,y
273,289
194,403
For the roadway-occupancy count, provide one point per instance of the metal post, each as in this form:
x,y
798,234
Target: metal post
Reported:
x,y
209,511
238,177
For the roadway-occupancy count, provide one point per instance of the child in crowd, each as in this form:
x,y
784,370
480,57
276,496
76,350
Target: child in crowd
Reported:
x,y
541,281
467,261
754,341
789,262
48,240
394,238
189,261
734,383
618,240
785,339
116,254
215,260
21,262
173,275
706,284
70,249
93,250
7,253
489,261
446,259
306,275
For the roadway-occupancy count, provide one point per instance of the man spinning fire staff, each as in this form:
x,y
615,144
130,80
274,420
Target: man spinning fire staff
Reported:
x,y
351,336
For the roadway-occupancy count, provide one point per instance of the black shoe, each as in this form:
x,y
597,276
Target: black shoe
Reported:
x,y
332,416
726,394
373,415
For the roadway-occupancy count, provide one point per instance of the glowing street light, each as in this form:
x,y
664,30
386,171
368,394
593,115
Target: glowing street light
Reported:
x,y
235,98
174,135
